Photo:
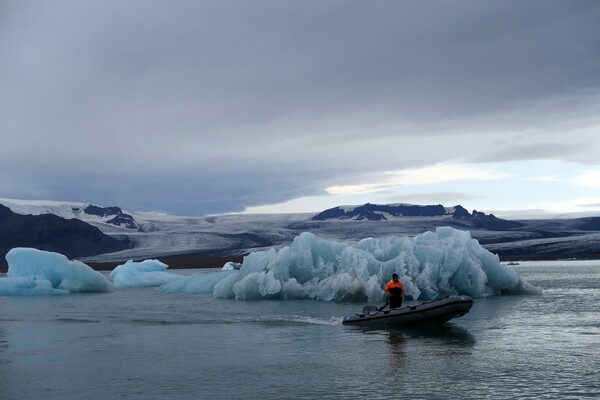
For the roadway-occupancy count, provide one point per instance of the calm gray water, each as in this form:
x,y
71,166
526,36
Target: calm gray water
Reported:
x,y
143,344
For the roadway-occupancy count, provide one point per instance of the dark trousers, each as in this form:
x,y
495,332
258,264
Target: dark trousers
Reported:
x,y
393,302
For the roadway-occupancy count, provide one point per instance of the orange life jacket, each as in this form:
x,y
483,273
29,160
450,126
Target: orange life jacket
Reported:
x,y
392,284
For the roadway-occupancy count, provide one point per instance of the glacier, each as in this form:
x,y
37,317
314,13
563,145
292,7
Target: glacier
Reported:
x,y
36,272
430,265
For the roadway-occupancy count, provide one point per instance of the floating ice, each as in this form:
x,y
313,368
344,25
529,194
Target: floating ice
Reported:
x,y
27,285
197,283
430,265
230,266
141,274
32,272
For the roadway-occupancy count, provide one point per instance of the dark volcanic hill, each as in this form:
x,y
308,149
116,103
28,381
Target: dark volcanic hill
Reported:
x,y
377,212
113,215
456,215
72,237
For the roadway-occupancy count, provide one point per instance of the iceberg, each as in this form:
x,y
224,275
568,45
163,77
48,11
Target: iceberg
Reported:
x,y
199,283
27,285
33,272
148,273
430,265
230,266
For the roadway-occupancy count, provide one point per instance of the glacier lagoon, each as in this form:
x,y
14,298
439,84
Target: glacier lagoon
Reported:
x,y
190,342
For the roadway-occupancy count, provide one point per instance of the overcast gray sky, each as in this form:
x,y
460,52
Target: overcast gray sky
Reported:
x,y
203,107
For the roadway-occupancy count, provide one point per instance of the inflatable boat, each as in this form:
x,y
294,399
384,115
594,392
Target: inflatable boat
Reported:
x,y
436,312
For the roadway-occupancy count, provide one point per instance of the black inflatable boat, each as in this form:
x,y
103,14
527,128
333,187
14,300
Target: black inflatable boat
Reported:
x,y
437,312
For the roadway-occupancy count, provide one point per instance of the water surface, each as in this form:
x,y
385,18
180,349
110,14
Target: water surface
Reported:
x,y
144,344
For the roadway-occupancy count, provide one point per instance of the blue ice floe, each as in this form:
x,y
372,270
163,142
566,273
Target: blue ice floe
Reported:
x,y
33,272
147,273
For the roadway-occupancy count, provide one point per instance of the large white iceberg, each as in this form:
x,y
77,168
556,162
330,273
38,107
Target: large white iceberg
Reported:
x,y
147,273
32,271
430,265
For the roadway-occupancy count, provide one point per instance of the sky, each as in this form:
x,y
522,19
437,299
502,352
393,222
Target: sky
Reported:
x,y
210,107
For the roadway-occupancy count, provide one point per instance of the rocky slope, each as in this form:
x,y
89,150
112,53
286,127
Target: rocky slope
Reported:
x,y
71,237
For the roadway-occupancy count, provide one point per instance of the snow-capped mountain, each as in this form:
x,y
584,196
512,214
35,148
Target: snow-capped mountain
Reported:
x,y
89,213
378,212
71,237
109,215
153,235
385,212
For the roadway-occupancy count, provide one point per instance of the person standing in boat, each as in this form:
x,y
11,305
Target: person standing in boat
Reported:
x,y
395,292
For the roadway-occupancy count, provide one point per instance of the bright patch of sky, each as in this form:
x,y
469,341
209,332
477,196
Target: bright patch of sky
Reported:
x,y
551,187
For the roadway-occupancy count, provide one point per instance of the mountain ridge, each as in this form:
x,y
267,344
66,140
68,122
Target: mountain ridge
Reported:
x,y
384,212
236,235
71,237
87,212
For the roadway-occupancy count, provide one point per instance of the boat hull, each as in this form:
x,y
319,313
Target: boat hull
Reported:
x,y
436,312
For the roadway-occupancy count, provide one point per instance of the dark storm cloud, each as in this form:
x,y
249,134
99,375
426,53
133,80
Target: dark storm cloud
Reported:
x,y
201,107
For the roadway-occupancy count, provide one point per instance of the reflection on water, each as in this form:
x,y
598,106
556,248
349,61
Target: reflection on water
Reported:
x,y
407,346
397,358
449,333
